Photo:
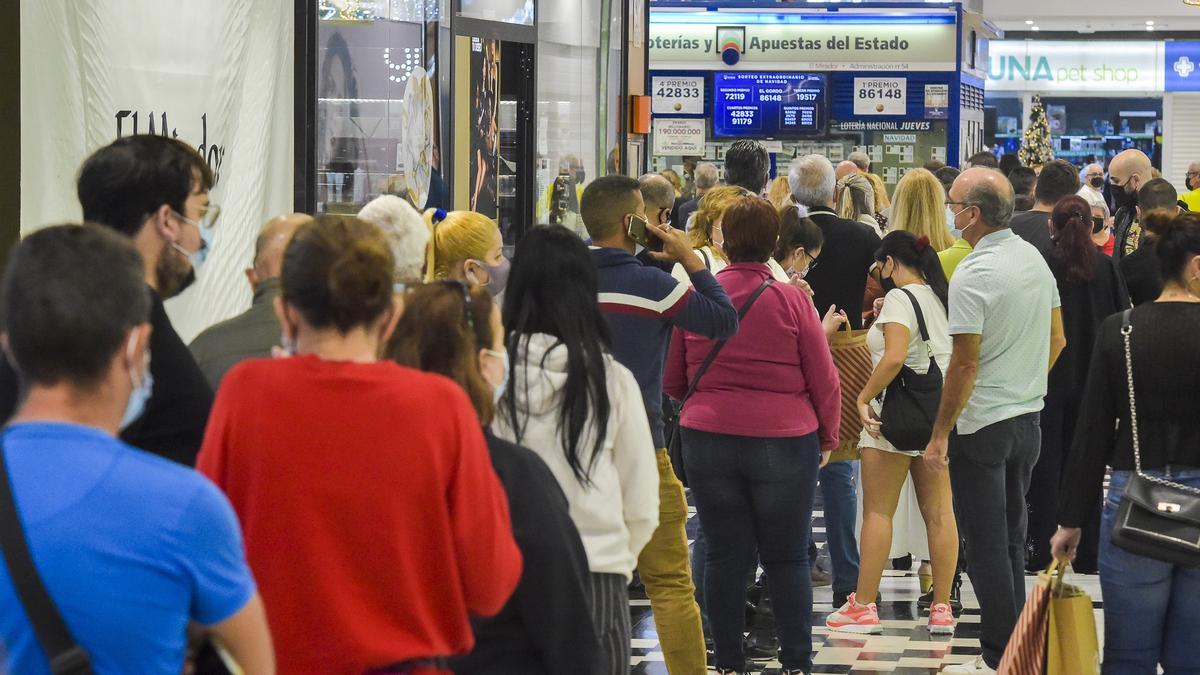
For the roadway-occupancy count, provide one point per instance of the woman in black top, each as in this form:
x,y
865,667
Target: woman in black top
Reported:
x,y
1092,289
1151,607
546,628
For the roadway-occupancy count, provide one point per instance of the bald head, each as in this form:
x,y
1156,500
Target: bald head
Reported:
x,y
658,195
988,191
844,169
271,243
1130,170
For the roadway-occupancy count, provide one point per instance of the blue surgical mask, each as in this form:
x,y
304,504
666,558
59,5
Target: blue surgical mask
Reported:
x,y
198,258
498,391
141,391
288,344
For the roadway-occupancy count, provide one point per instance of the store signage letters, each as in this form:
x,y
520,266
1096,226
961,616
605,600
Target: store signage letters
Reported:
x,y
677,95
676,136
859,125
1069,66
880,95
816,46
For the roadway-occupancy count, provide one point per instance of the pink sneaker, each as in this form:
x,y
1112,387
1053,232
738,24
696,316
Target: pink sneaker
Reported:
x,y
855,618
941,620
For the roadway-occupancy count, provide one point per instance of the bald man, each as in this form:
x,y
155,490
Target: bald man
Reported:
x,y
659,196
1007,332
1127,173
844,169
1192,183
252,333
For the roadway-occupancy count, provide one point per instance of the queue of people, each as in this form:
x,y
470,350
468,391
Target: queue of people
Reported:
x,y
422,457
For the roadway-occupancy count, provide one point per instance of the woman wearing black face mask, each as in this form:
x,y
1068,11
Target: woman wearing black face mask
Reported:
x,y
1091,289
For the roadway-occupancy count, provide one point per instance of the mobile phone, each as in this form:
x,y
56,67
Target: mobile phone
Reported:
x,y
638,232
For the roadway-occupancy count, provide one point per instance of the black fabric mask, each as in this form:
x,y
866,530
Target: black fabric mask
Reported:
x,y
1097,225
1097,182
888,283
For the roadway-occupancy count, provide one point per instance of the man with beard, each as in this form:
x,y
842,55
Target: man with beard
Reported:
x,y
153,190
1127,173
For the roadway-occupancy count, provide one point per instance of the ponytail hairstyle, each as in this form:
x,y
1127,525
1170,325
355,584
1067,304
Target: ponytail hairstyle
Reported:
x,y
337,271
1074,250
796,231
553,289
456,237
856,197
442,330
917,254
1175,236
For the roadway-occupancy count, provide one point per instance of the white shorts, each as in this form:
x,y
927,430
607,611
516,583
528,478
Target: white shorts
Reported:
x,y
866,441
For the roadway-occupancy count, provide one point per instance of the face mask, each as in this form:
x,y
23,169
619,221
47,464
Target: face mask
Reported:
x,y
962,231
197,259
889,282
498,391
140,394
287,344
497,276
1097,225
1097,182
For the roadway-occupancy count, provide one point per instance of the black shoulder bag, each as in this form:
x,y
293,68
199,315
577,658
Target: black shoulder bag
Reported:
x,y
910,402
675,441
1156,518
65,654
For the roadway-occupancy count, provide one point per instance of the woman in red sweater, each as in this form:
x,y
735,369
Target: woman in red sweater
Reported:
x,y
373,519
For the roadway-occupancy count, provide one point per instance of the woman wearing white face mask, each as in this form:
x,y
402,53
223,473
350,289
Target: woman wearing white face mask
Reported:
x,y
799,246
466,246
453,330
705,229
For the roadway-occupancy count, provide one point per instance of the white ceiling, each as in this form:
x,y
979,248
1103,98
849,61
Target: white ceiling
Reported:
x,y
1093,15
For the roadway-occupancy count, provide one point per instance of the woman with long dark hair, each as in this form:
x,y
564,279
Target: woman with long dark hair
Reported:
x,y
1092,289
455,330
1150,605
758,426
910,271
582,413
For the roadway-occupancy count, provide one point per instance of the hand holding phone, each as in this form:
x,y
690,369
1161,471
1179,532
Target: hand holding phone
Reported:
x,y
641,233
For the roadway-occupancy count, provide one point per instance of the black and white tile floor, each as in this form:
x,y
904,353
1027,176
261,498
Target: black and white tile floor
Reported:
x,y
904,648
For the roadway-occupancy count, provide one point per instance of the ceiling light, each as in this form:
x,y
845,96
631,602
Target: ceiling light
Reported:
x,y
1028,22
1034,28
1150,28
1150,23
1194,3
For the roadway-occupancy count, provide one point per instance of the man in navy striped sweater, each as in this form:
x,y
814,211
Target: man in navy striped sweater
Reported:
x,y
643,304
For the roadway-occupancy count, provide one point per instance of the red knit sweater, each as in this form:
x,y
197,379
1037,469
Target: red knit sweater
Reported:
x,y
373,519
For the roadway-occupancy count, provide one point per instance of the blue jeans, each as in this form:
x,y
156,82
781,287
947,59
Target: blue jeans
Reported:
x,y
841,506
1151,607
755,494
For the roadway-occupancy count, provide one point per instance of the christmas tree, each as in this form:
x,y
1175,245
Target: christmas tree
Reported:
x,y
1035,148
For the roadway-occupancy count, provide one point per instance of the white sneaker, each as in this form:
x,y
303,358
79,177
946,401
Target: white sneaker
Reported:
x,y
976,667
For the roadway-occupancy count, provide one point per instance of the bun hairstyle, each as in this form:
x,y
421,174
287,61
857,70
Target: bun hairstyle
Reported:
x,y
796,231
454,237
1074,250
1175,236
435,335
916,253
337,271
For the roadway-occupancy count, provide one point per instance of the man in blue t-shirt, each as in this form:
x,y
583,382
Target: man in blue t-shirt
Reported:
x,y
130,547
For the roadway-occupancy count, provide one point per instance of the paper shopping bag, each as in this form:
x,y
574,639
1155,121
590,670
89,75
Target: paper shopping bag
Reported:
x,y
1073,648
1026,651
852,358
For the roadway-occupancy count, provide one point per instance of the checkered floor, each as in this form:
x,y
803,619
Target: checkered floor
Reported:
x,y
904,648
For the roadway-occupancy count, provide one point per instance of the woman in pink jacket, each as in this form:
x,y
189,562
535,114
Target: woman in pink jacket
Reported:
x,y
761,421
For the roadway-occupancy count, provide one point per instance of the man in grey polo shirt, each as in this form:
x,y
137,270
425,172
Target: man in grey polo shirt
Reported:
x,y
1007,329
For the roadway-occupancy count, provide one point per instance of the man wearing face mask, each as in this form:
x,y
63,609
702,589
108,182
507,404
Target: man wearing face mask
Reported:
x,y
1092,187
1127,173
163,540
659,197
154,190
1192,183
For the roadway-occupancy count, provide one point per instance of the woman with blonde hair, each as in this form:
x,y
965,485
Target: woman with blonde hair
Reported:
x,y
674,179
856,201
882,201
466,246
705,233
780,192
920,207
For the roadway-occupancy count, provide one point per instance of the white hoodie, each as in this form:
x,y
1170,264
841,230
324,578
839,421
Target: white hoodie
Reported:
x,y
618,511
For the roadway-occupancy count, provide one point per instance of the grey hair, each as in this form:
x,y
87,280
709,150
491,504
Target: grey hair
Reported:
x,y
812,180
406,233
657,191
860,159
705,176
856,197
995,205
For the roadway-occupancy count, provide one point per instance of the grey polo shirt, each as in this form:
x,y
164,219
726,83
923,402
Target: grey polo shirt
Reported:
x,y
1004,292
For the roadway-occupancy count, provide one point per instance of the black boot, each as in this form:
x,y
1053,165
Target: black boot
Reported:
x,y
955,600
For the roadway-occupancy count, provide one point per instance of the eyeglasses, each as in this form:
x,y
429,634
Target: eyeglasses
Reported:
x,y
468,312
1118,182
208,217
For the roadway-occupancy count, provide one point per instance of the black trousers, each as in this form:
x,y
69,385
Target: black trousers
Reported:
x,y
1058,430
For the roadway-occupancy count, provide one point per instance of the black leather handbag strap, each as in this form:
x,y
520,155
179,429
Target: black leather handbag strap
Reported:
x,y
712,355
920,315
65,654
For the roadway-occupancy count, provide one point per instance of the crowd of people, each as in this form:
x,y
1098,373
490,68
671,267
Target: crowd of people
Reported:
x,y
414,455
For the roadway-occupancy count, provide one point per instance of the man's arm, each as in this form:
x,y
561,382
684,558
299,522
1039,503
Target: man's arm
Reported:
x,y
704,309
1058,339
246,638
956,391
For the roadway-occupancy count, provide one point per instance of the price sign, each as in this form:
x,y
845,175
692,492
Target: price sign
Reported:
x,y
677,95
880,95
678,136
